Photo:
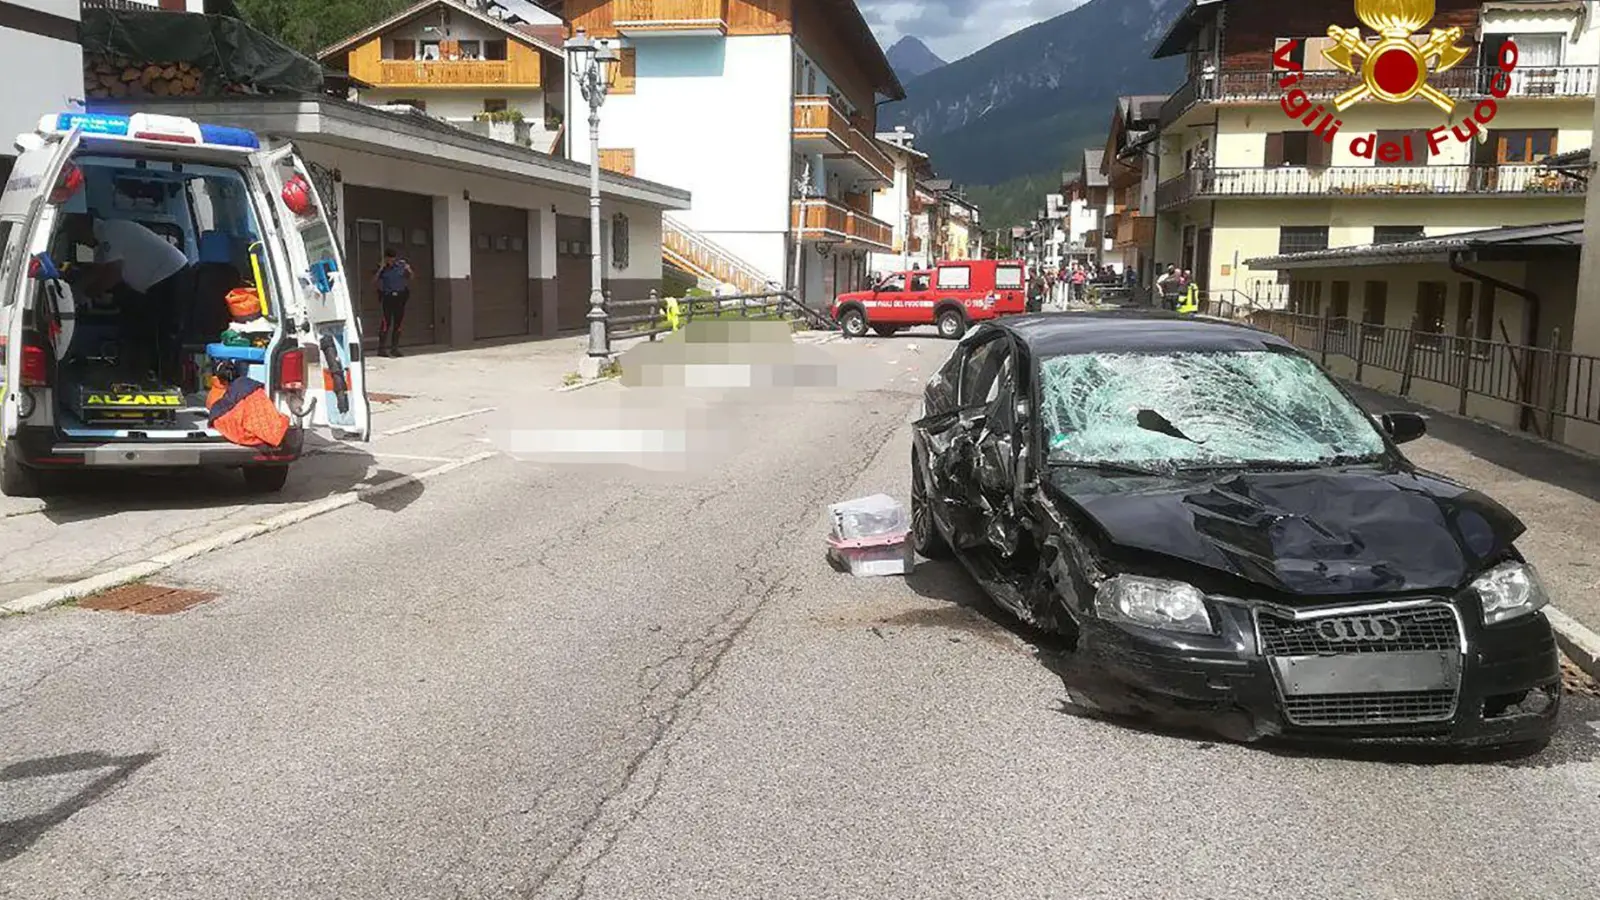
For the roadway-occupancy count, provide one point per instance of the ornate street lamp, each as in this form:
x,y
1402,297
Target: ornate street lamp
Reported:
x,y
593,63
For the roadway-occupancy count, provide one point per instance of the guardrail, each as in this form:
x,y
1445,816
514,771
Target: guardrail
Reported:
x,y
1542,384
649,316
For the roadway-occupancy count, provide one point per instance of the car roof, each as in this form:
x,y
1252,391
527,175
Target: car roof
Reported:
x,y
1132,331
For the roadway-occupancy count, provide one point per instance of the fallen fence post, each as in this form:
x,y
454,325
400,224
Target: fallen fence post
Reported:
x,y
1361,349
1408,357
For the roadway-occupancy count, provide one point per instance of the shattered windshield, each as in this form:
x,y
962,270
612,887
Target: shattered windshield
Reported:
x,y
1195,410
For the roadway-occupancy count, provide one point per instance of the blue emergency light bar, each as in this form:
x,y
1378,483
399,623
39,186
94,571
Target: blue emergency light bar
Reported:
x,y
162,129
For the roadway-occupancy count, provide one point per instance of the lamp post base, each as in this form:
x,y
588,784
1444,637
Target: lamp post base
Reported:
x,y
589,366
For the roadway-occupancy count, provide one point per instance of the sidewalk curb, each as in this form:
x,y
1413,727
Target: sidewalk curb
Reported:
x,y
568,388
1580,644
144,569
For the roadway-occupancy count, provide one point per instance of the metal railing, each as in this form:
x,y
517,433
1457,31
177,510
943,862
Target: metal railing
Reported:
x,y
1544,384
1464,83
703,256
648,317
1370,182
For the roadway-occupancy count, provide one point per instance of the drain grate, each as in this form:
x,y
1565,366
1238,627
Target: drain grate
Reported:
x,y
146,599
373,397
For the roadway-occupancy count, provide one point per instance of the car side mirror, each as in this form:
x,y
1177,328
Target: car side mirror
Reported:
x,y
1403,427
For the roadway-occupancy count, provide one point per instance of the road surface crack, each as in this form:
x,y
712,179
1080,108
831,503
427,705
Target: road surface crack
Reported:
x,y
667,710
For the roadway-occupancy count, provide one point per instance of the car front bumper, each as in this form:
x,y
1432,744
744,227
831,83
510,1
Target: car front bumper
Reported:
x,y
1509,687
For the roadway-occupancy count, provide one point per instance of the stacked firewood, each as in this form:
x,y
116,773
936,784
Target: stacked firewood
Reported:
x,y
118,78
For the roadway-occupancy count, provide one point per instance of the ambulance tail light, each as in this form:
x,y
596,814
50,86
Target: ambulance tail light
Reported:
x,y
35,366
68,185
292,370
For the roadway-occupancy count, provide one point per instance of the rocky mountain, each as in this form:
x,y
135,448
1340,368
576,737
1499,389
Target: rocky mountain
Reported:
x,y
1028,102
910,58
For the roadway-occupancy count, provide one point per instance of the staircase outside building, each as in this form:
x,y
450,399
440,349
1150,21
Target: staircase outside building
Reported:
x,y
686,249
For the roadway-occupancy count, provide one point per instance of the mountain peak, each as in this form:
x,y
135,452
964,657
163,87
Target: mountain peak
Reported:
x,y
910,57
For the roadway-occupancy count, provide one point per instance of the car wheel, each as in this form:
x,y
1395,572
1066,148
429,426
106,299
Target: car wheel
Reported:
x,y
952,324
18,480
265,479
885,330
853,323
925,535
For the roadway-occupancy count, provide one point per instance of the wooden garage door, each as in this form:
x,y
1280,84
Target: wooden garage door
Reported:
x,y
572,272
375,219
499,271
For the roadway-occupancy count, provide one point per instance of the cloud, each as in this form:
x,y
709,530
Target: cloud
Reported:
x,y
955,28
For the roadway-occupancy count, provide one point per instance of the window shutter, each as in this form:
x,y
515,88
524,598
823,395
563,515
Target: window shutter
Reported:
x,y
625,76
1275,149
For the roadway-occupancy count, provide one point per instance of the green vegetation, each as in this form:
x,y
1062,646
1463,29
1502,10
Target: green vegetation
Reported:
x,y
310,25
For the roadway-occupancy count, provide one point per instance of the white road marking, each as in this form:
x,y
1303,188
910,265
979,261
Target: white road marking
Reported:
x,y
382,455
437,420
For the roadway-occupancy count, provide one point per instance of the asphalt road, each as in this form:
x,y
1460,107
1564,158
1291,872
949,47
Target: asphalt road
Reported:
x,y
523,680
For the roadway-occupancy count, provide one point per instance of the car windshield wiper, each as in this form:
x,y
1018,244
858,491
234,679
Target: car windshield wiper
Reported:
x,y
1119,468
1324,462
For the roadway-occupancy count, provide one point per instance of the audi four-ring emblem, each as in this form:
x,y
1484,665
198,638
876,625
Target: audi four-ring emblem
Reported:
x,y
1358,629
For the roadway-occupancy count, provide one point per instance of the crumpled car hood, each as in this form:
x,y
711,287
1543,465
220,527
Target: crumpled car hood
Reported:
x,y
1312,533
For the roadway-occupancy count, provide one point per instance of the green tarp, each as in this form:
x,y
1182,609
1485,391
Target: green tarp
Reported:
x,y
227,50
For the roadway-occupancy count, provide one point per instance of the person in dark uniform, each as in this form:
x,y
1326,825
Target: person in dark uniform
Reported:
x,y
393,281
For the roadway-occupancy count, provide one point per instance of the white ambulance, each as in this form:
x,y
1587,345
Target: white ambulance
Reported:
x,y
118,377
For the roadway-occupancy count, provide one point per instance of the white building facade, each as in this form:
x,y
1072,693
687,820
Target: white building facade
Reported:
x,y
40,38
783,187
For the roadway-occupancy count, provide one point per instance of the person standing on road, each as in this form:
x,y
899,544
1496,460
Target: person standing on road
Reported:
x,y
1079,278
393,281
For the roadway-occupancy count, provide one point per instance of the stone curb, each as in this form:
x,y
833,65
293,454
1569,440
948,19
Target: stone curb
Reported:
x,y
1576,640
145,568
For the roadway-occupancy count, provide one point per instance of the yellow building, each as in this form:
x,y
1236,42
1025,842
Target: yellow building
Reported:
x,y
1241,179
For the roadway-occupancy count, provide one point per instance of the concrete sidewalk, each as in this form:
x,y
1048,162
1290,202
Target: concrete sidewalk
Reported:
x,y
430,408
1554,490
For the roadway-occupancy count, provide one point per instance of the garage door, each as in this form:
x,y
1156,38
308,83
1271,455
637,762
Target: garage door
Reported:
x,y
500,305
572,272
376,219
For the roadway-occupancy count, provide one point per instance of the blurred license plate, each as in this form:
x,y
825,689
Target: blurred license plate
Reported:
x,y
1368,673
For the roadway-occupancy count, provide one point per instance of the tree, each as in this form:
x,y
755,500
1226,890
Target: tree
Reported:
x,y
310,25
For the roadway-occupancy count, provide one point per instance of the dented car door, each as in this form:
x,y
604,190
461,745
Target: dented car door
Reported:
x,y
969,457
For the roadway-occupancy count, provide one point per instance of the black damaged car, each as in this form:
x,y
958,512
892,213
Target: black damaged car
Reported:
x,y
1226,538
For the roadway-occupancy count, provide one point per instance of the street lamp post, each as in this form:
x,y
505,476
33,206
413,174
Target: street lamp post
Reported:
x,y
592,62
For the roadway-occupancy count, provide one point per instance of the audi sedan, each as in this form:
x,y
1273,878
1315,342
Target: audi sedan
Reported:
x,y
1226,538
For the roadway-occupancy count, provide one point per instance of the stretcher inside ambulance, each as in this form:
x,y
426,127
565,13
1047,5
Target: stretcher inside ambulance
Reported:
x,y
171,296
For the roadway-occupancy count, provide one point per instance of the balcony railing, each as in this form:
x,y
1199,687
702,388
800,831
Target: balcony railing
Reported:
x,y
825,220
1362,182
1320,84
671,15
444,72
817,117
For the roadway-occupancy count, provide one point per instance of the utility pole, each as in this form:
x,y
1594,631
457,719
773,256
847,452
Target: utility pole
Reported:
x,y
803,189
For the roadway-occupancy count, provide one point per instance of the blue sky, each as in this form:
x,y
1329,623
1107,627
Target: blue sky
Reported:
x,y
955,28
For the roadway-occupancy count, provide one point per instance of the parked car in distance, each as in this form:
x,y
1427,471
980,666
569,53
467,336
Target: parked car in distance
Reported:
x,y
1226,539
952,295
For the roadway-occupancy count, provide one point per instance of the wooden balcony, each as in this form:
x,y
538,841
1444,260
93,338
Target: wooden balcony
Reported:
x,y
667,17
825,220
462,73
1133,230
819,122
1364,182
1464,83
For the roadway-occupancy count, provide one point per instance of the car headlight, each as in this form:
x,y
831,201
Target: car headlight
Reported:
x,y
1509,590
1154,603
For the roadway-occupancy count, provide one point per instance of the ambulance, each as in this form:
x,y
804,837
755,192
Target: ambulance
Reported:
x,y
98,377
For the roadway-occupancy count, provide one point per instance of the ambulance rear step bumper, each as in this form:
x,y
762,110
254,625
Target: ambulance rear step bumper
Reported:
x,y
57,454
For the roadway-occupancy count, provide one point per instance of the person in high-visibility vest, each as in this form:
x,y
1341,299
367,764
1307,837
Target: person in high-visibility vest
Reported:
x,y
1189,304
674,314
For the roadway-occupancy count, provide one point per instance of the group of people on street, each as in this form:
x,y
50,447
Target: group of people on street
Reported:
x,y
1178,291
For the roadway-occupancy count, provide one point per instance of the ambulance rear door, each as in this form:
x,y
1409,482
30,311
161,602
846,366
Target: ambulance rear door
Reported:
x,y
323,299
26,218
